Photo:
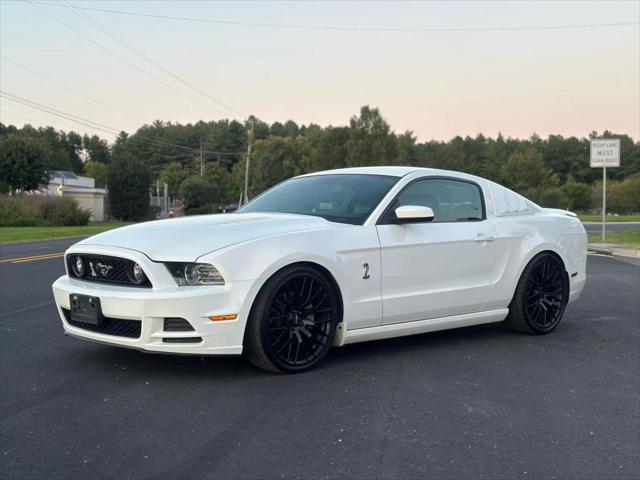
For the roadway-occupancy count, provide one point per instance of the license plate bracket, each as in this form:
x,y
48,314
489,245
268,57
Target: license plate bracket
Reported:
x,y
86,309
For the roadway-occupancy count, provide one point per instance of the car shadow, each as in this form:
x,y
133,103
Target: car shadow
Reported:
x,y
125,362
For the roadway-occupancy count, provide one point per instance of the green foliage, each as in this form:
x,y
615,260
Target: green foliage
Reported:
x,y
173,175
128,179
624,196
328,148
289,129
220,181
38,210
64,212
59,149
370,141
553,197
275,159
578,196
530,166
97,170
21,163
526,173
97,149
198,195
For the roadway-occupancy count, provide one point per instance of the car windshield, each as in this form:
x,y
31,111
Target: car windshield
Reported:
x,y
343,198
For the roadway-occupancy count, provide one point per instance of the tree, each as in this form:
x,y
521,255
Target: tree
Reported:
x,y
406,149
370,140
526,173
276,159
329,148
173,175
21,163
198,195
97,170
260,128
97,149
220,180
128,180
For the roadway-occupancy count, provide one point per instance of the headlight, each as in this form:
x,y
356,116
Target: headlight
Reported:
x,y
194,274
136,275
77,265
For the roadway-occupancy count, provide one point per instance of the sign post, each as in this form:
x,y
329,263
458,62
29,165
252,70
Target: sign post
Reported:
x,y
605,153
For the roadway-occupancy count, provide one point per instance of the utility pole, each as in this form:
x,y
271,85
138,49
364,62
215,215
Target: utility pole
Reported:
x,y
246,165
201,157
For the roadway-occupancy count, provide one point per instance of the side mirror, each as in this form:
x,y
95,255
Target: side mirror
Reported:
x,y
413,214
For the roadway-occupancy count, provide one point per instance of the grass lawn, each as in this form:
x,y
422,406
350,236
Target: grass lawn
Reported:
x,y
610,218
623,238
30,234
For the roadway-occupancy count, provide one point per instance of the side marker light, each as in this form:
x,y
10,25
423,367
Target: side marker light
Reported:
x,y
221,318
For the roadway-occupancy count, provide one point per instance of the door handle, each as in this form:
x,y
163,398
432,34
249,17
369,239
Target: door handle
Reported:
x,y
481,237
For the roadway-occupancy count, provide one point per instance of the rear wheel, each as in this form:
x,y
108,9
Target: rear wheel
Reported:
x,y
293,321
541,296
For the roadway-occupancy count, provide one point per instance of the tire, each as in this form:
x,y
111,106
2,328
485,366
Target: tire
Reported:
x,y
541,296
293,321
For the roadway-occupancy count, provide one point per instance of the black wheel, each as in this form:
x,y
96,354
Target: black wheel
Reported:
x,y
293,321
541,296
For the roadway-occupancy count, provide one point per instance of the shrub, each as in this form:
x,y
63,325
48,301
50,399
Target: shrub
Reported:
x,y
579,196
64,212
40,211
622,196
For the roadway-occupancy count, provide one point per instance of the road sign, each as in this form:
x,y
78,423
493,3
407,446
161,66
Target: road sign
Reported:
x,y
605,153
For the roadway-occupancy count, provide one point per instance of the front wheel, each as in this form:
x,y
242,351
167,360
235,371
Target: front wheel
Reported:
x,y
541,296
293,321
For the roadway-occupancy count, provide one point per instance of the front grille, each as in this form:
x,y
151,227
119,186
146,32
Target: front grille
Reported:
x,y
104,269
109,326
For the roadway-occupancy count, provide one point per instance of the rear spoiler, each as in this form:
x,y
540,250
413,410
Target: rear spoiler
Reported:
x,y
568,213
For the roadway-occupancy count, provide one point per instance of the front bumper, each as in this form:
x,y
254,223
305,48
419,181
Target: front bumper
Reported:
x,y
151,306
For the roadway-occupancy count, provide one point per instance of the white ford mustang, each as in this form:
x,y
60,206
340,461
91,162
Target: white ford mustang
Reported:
x,y
324,260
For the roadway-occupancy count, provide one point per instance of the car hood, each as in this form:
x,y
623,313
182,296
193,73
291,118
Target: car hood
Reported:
x,y
187,238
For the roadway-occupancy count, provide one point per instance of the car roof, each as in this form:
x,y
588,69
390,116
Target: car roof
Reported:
x,y
388,171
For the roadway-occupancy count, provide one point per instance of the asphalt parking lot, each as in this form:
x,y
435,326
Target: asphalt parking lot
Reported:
x,y
478,402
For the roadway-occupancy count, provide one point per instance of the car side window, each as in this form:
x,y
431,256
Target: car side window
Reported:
x,y
451,200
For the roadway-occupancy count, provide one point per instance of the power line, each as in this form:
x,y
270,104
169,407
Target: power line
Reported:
x,y
111,52
57,113
101,127
78,11
71,89
30,117
355,28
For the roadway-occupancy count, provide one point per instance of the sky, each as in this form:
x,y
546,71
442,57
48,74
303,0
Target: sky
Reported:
x,y
482,72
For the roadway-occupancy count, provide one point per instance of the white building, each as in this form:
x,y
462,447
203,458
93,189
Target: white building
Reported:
x,y
81,189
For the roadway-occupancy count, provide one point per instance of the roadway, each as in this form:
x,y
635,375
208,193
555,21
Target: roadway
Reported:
x,y
591,227
479,402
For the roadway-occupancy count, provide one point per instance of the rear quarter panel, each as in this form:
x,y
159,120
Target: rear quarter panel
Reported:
x,y
522,237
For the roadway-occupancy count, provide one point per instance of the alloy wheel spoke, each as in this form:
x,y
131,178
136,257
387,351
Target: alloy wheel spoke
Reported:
x,y
544,296
299,322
